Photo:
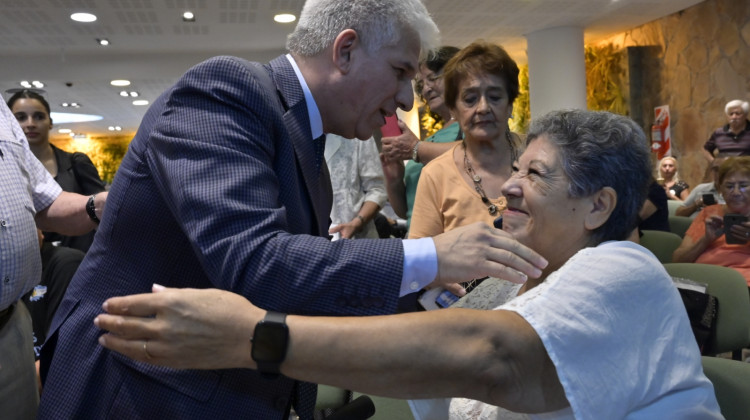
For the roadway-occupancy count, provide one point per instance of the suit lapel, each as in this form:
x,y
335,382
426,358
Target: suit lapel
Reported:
x,y
297,122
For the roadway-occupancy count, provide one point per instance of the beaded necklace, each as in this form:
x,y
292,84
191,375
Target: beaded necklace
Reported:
x,y
478,180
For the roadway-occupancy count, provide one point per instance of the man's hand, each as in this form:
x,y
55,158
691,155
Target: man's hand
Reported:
x,y
399,147
181,328
478,250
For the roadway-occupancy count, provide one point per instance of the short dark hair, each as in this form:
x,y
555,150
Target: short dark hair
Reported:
x,y
480,58
28,94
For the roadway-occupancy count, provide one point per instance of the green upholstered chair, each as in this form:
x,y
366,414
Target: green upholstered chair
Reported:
x,y
660,243
733,315
731,379
672,205
679,225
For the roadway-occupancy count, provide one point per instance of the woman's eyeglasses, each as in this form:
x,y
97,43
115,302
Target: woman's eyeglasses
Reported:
x,y
730,187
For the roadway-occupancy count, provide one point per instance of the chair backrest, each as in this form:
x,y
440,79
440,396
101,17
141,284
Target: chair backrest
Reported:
x,y
660,243
730,288
672,205
679,224
731,379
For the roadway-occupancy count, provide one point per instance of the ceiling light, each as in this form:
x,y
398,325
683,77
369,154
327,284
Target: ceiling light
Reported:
x,y
102,41
134,94
67,117
37,84
188,17
83,17
64,130
284,18
25,83
120,82
140,102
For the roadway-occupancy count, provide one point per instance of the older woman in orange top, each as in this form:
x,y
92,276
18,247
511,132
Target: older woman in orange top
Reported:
x,y
711,239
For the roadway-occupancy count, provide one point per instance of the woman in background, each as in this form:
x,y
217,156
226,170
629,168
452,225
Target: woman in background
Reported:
x,y
709,240
463,185
73,171
675,188
401,181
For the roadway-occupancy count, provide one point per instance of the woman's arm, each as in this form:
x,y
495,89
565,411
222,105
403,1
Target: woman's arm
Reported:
x,y
394,185
492,356
690,249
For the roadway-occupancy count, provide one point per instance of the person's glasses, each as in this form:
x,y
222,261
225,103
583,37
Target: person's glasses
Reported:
x,y
729,188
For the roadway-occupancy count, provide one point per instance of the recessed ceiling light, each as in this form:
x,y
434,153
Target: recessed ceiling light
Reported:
x,y
64,130
188,17
120,82
25,83
284,18
140,102
83,17
102,41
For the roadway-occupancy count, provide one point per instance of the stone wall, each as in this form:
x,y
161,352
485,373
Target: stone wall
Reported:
x,y
701,62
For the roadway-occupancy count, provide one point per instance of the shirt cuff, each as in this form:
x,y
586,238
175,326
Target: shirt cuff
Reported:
x,y
420,265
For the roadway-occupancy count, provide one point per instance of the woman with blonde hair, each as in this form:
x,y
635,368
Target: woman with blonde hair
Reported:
x,y
675,188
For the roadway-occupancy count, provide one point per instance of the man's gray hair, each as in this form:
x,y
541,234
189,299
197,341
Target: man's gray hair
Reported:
x,y
378,23
737,103
597,150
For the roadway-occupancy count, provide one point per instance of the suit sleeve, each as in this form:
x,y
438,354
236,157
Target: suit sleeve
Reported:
x,y
220,157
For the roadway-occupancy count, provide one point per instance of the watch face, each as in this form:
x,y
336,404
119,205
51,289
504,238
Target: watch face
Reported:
x,y
270,342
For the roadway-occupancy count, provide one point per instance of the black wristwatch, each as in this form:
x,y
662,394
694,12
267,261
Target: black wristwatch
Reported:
x,y
91,209
270,342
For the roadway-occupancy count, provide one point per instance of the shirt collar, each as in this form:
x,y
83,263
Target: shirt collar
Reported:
x,y
316,122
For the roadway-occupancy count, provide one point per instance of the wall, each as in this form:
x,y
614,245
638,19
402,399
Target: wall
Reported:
x,y
702,62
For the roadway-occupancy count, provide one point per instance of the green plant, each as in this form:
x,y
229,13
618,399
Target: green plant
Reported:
x,y
604,79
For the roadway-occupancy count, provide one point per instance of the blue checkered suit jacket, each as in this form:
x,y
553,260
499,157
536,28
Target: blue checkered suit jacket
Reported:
x,y
218,189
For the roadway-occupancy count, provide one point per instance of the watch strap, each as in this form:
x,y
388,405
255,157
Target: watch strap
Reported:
x,y
268,368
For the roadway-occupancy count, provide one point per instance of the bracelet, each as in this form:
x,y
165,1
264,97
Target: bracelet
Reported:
x,y
91,209
414,152
361,219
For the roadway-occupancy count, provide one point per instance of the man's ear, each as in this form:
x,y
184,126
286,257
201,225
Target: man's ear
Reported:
x,y
346,42
603,204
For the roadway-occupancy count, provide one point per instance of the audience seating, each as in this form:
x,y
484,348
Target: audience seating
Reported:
x,y
672,205
733,315
731,381
679,225
660,243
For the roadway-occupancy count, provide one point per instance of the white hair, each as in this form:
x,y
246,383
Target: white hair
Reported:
x,y
737,103
378,23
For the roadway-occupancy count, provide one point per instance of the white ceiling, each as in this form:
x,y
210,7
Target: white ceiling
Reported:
x,y
151,46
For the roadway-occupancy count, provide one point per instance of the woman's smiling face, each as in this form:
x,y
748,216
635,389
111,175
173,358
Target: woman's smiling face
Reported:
x,y
541,214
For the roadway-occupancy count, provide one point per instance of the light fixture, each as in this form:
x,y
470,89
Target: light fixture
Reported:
x,y
120,82
70,105
284,18
68,117
28,85
83,17
64,130
140,102
188,16
124,93
102,41
134,94
114,128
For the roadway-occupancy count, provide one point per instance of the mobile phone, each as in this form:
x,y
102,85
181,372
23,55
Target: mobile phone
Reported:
x,y
733,219
390,128
709,199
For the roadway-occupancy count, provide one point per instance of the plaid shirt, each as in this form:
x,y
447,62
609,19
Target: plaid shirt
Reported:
x,y
25,188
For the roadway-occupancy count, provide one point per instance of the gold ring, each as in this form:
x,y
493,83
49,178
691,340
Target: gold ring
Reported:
x,y
145,350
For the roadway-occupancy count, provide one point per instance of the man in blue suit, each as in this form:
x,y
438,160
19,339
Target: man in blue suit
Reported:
x,y
223,187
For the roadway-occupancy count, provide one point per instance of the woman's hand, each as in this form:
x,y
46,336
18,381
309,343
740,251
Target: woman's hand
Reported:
x,y
181,328
399,147
714,227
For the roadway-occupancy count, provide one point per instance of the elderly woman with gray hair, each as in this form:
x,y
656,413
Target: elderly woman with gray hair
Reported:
x,y
602,334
